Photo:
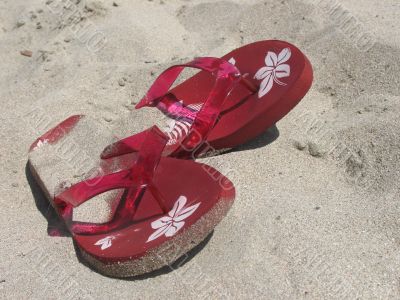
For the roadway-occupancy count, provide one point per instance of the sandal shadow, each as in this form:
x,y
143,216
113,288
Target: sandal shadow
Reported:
x,y
55,226
264,139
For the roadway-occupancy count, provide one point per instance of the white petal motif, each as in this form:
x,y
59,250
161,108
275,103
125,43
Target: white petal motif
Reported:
x,y
185,213
105,242
266,85
174,228
159,232
274,69
282,71
284,55
179,204
232,61
263,72
171,224
161,222
271,60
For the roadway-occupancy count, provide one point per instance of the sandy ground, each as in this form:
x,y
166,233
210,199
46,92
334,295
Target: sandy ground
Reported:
x,y
316,214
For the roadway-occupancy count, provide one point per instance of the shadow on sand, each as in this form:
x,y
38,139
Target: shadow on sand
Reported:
x,y
55,226
264,139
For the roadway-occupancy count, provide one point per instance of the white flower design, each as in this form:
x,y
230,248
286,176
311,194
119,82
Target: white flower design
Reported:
x,y
169,225
105,242
275,68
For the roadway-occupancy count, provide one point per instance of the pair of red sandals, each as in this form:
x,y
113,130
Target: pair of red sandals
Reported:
x,y
170,202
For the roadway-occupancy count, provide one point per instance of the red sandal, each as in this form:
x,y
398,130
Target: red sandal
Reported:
x,y
153,196
161,207
167,206
213,115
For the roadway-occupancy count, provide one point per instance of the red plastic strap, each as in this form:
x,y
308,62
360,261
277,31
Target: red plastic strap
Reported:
x,y
134,180
221,69
226,74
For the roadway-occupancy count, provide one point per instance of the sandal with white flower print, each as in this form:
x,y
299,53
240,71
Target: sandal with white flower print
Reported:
x,y
167,206
270,78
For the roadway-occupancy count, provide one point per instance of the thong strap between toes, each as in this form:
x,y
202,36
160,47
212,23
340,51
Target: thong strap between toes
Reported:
x,y
134,180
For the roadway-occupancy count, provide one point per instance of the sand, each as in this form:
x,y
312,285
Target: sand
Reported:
x,y
316,214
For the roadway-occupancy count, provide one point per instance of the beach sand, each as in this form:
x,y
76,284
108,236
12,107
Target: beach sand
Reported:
x,y
316,214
